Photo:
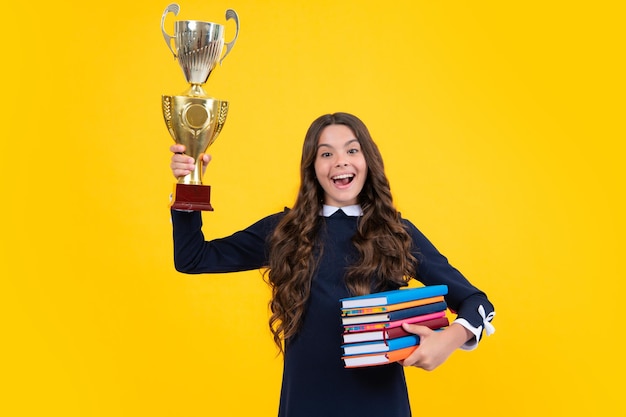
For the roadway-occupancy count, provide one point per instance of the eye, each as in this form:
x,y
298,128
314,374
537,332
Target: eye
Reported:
x,y
353,151
325,154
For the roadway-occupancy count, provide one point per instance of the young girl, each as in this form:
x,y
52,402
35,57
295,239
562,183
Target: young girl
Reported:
x,y
342,237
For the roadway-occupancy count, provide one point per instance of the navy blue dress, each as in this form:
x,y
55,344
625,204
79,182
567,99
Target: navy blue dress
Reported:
x,y
315,382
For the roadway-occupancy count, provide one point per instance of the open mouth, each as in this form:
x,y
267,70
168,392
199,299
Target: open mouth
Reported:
x,y
343,179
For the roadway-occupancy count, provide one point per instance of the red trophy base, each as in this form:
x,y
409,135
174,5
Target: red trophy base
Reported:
x,y
192,197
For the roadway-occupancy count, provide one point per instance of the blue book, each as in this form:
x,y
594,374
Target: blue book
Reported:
x,y
395,315
380,346
393,297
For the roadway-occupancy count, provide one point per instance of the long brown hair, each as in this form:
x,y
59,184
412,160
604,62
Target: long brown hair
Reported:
x,y
383,243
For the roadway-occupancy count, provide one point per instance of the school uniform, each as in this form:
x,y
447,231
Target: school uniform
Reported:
x,y
315,381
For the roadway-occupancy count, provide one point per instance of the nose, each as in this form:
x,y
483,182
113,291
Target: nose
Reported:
x,y
341,161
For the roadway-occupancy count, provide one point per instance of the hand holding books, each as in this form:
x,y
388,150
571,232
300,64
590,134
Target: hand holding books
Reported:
x,y
373,333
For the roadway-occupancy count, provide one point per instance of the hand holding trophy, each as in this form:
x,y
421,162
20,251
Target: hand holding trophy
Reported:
x,y
193,118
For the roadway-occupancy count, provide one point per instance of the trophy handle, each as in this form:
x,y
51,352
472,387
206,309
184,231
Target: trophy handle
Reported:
x,y
231,14
174,8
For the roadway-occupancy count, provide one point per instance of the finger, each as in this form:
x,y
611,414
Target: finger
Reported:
x,y
182,159
177,148
206,158
182,162
181,165
420,360
417,329
412,359
178,156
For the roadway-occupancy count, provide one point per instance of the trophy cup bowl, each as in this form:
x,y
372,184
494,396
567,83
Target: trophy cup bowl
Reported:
x,y
193,118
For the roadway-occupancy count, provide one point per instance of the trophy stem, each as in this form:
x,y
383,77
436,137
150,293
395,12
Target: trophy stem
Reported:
x,y
195,90
194,177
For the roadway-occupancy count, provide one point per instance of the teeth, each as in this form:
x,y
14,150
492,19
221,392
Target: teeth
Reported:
x,y
339,177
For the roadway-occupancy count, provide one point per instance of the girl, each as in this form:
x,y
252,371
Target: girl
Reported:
x,y
342,237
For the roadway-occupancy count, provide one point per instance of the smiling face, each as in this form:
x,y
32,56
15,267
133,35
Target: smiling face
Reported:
x,y
340,165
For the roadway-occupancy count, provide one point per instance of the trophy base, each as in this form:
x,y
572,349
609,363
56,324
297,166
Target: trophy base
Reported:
x,y
192,197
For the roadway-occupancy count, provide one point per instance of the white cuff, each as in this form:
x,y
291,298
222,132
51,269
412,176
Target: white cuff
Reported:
x,y
477,331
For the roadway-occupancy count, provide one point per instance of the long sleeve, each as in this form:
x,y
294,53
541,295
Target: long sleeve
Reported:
x,y
473,308
241,251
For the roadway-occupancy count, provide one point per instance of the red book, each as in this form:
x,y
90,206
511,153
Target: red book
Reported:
x,y
391,333
391,324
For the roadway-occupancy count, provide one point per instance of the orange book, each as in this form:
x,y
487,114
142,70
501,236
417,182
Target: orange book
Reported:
x,y
374,359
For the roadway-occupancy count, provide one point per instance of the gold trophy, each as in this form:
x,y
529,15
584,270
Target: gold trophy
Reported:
x,y
193,118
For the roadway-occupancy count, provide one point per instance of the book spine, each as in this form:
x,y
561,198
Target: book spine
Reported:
x,y
392,333
376,359
380,345
417,311
392,324
390,307
393,297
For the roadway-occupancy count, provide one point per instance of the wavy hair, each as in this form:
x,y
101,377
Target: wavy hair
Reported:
x,y
384,245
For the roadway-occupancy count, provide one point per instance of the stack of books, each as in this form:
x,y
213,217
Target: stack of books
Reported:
x,y
372,324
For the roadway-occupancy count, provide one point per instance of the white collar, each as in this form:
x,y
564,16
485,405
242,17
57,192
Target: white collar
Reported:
x,y
354,210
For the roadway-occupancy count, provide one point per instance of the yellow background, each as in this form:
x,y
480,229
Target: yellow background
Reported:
x,y
502,128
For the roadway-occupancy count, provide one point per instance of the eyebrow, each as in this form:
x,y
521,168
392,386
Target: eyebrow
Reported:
x,y
345,144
